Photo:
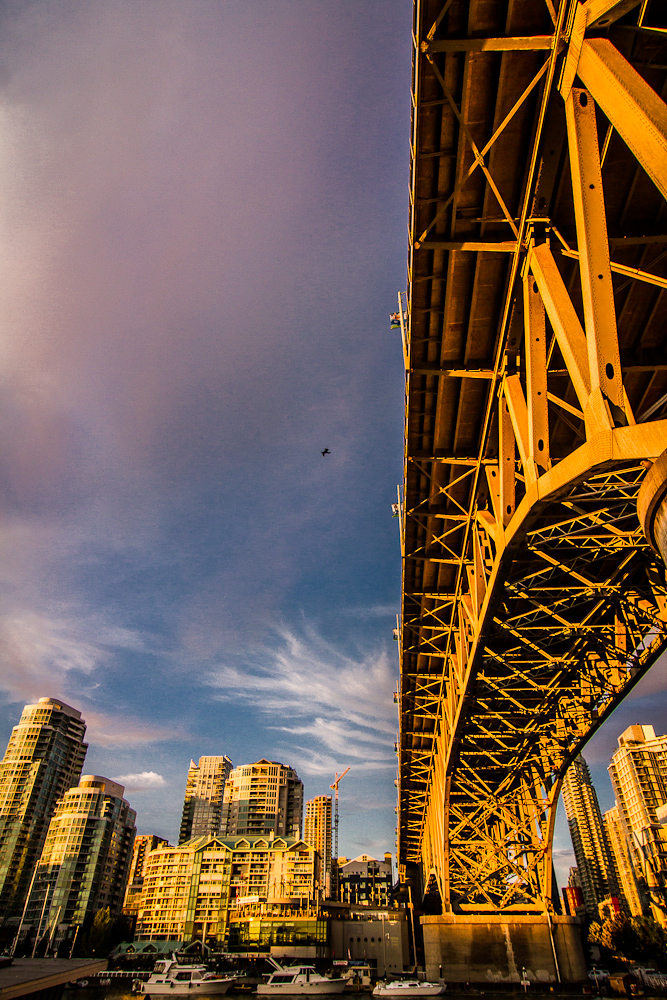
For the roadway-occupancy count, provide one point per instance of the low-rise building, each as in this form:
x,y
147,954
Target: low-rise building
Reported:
x,y
219,890
376,935
365,881
573,899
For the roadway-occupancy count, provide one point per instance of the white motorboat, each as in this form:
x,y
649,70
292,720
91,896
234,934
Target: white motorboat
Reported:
x,y
299,980
404,988
170,978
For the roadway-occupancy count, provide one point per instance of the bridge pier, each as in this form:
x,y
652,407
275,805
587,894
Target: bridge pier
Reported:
x,y
652,505
496,948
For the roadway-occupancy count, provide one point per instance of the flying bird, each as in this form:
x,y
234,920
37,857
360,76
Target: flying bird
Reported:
x,y
325,452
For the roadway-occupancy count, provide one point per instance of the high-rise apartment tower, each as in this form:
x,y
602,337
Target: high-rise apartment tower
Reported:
x,y
317,833
589,838
43,759
630,889
85,860
143,845
262,798
204,789
638,772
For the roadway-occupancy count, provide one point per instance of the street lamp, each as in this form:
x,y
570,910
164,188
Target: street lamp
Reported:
x,y
595,977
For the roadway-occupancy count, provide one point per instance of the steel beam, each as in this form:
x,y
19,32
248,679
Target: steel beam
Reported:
x,y
532,43
604,363
564,320
531,600
630,103
536,373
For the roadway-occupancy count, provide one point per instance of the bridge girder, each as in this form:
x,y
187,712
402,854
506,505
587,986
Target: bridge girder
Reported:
x,y
534,348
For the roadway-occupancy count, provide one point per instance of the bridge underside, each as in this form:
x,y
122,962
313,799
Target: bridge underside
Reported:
x,y
536,399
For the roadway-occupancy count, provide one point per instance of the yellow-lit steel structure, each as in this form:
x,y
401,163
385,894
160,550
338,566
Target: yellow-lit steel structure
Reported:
x,y
536,398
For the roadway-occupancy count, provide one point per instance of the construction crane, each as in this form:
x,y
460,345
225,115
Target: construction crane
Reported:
x,y
339,778
334,859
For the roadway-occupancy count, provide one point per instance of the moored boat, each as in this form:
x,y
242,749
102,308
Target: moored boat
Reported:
x,y
404,988
168,977
299,980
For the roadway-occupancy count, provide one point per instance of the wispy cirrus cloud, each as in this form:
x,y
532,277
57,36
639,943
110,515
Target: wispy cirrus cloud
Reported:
x,y
317,763
367,749
340,706
341,737
56,651
370,611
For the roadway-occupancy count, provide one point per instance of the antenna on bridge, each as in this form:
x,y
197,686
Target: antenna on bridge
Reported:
x,y
403,316
334,860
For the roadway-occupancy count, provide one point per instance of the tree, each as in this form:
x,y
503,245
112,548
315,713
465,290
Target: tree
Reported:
x,y
99,934
105,932
651,941
639,939
619,937
595,932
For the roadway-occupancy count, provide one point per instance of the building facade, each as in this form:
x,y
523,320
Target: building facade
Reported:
x,y
365,881
374,935
204,790
220,890
143,845
85,860
261,799
638,772
573,900
595,863
630,890
317,832
44,758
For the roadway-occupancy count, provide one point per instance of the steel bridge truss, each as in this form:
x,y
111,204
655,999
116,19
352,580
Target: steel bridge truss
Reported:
x,y
532,337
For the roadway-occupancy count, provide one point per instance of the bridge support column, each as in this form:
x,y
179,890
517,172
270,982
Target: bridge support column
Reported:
x,y
652,505
497,948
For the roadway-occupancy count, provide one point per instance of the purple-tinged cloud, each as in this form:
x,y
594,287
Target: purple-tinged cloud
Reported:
x,y
120,731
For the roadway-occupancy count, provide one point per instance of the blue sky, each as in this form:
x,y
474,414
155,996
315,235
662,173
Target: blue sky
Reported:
x,y
204,213
203,232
